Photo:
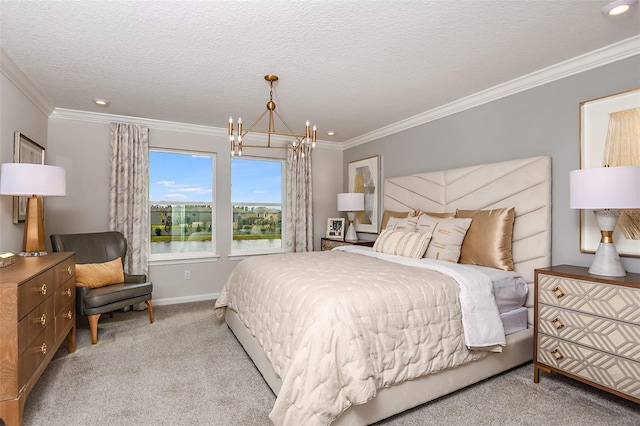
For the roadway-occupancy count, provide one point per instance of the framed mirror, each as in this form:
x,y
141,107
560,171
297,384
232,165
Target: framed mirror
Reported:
x,y
24,151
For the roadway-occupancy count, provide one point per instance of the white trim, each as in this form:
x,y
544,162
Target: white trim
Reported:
x,y
606,55
185,299
22,82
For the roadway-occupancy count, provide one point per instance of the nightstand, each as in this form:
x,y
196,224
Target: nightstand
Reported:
x,y
328,243
587,327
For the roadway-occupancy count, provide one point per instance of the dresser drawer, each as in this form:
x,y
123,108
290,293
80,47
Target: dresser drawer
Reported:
x,y
65,319
616,337
63,295
612,301
35,291
35,353
34,323
65,271
613,372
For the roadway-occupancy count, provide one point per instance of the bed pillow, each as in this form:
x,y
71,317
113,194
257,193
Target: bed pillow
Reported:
x,y
489,239
408,244
407,224
94,275
442,215
426,223
447,239
388,214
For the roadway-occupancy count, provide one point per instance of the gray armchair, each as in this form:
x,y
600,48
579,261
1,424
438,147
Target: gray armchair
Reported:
x,y
102,247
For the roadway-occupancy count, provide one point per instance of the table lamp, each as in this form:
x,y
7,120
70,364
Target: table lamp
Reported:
x,y
605,190
351,202
33,181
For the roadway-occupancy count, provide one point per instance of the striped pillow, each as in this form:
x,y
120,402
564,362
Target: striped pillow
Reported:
x,y
408,244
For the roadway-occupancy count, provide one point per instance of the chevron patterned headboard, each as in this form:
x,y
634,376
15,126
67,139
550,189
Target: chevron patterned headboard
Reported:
x,y
524,184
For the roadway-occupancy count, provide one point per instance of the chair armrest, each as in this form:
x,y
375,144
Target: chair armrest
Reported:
x,y
135,278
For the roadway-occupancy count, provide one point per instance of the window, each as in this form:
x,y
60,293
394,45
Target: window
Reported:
x,y
257,189
181,204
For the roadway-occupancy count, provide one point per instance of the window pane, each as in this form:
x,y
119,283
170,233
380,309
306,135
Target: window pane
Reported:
x,y
256,199
181,204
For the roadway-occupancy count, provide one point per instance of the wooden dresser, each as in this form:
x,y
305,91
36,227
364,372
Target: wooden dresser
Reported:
x,y
37,312
588,327
328,243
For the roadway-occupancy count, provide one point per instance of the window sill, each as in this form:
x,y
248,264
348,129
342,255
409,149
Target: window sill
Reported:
x,y
184,260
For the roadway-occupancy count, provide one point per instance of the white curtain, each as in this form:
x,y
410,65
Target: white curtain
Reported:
x,y
129,192
299,223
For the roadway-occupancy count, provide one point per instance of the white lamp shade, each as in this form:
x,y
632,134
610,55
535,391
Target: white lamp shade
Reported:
x,y
605,188
351,202
32,179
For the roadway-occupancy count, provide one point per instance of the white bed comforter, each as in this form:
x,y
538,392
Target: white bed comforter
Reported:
x,y
337,326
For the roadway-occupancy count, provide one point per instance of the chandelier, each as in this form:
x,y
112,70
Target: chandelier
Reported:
x,y
300,139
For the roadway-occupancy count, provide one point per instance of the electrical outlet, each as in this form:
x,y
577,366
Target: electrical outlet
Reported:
x,y
187,274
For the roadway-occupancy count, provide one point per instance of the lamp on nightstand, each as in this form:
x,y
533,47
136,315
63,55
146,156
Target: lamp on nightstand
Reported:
x,y
351,202
605,190
33,181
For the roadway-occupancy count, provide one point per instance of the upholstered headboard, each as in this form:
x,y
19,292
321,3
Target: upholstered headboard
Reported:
x,y
524,184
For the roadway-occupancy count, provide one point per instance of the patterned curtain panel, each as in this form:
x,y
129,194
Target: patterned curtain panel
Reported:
x,y
299,224
129,192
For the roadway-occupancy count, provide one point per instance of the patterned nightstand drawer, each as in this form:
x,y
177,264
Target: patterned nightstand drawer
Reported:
x,y
612,301
616,337
616,373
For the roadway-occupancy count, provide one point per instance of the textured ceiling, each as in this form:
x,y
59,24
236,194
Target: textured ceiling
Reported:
x,y
348,66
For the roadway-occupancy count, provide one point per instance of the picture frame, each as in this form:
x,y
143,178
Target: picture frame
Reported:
x,y
364,176
335,228
25,150
595,116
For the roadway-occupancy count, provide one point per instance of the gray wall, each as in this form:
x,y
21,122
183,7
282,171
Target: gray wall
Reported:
x,y
539,121
82,147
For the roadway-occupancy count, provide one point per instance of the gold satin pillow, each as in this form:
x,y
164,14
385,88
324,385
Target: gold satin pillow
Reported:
x,y
489,239
94,275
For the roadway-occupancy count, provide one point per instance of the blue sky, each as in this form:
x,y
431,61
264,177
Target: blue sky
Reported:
x,y
178,178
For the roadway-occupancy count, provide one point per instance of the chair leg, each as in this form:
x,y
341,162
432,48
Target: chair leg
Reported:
x,y
150,306
93,326
111,314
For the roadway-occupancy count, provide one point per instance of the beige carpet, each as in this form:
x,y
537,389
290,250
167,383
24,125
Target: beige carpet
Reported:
x,y
188,369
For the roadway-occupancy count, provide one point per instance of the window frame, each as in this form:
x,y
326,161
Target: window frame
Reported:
x,y
283,208
168,258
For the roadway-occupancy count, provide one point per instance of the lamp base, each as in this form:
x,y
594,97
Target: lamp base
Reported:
x,y
607,261
351,230
33,238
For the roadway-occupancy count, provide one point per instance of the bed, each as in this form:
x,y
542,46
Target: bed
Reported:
x,y
290,311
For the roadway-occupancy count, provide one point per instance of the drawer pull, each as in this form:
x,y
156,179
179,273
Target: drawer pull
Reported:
x,y
43,349
557,323
68,292
43,319
68,315
558,292
68,270
43,289
557,354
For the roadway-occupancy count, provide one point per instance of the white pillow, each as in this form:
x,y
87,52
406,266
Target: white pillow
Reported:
x,y
426,223
405,224
447,239
408,244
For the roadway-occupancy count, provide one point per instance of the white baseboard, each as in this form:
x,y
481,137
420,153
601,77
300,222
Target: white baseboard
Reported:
x,y
185,299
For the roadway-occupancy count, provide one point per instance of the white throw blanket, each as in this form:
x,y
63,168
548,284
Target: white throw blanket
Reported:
x,y
338,326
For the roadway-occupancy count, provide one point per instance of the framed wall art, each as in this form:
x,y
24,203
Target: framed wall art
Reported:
x,y
609,137
24,151
364,176
335,228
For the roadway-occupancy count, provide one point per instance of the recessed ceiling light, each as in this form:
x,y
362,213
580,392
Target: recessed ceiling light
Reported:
x,y
618,7
331,133
101,102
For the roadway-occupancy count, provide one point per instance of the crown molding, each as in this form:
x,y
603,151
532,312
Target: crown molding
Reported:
x,y
173,126
606,55
22,82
